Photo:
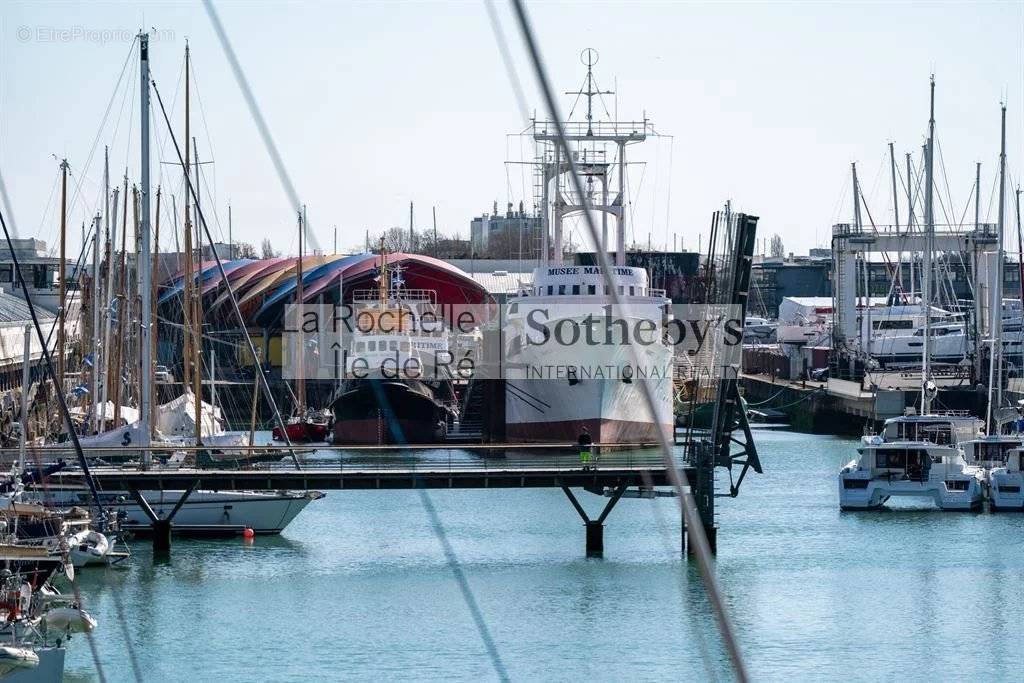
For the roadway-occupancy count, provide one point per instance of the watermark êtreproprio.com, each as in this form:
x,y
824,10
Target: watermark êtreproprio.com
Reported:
x,y
85,34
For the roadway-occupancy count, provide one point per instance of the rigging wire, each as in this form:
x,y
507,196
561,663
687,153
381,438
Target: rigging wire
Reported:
x,y
257,115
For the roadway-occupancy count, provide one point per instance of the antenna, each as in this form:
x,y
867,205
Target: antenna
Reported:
x,y
589,57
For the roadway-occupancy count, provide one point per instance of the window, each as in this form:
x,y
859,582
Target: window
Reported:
x,y
591,289
561,290
394,345
893,324
622,290
6,273
575,289
405,346
360,346
632,290
371,346
606,290
550,290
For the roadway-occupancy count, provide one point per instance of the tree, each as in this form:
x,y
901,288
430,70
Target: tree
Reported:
x,y
776,249
267,249
396,239
244,250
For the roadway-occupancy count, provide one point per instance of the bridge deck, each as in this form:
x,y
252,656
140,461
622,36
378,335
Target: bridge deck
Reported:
x,y
395,475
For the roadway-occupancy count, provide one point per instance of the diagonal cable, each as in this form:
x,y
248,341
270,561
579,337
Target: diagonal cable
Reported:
x,y
257,116
693,521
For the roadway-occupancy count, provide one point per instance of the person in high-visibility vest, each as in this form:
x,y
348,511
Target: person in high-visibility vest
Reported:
x,y
584,443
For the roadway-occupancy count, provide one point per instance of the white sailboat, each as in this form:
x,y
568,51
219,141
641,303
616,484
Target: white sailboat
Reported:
x,y
203,511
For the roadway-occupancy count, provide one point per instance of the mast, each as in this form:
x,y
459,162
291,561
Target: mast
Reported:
x,y
300,383
197,312
108,351
620,251
96,362
910,225
997,309
865,330
144,263
186,379
545,219
412,234
896,216
62,309
155,322
1020,247
231,240
100,368
929,220
26,379
122,310
191,357
978,302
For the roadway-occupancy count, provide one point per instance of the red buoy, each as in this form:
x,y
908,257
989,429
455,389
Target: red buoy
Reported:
x,y
248,533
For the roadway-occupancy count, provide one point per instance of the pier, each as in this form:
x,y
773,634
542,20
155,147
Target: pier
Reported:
x,y
612,475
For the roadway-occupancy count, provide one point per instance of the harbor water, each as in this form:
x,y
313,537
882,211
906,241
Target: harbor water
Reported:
x,y
359,588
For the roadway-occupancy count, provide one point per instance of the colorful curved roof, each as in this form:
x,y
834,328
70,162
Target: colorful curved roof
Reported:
x,y
262,288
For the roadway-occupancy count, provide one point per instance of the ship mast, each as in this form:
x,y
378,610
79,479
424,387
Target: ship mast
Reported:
x,y
62,309
143,263
191,330
995,370
592,164
186,378
929,220
300,382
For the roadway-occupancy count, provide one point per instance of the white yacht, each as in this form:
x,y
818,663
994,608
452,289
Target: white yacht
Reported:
x,y
917,456
897,334
212,513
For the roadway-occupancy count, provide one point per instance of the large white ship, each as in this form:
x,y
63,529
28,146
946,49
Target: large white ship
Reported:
x,y
556,391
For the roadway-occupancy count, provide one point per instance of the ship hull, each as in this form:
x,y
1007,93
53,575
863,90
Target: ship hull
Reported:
x,y
378,412
611,411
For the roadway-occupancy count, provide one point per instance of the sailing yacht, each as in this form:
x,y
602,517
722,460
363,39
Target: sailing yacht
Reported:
x,y
917,455
188,420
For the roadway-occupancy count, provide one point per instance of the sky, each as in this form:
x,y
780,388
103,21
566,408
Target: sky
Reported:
x,y
376,104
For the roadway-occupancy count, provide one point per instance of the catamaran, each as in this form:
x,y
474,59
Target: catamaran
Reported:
x,y
917,455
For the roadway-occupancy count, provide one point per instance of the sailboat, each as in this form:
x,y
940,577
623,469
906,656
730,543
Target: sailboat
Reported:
x,y
918,456
208,512
991,453
304,425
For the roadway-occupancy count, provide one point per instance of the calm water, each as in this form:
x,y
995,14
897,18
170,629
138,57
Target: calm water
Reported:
x,y
358,588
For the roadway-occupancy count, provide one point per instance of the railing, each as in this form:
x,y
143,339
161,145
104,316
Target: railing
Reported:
x,y
848,229
470,458
455,464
